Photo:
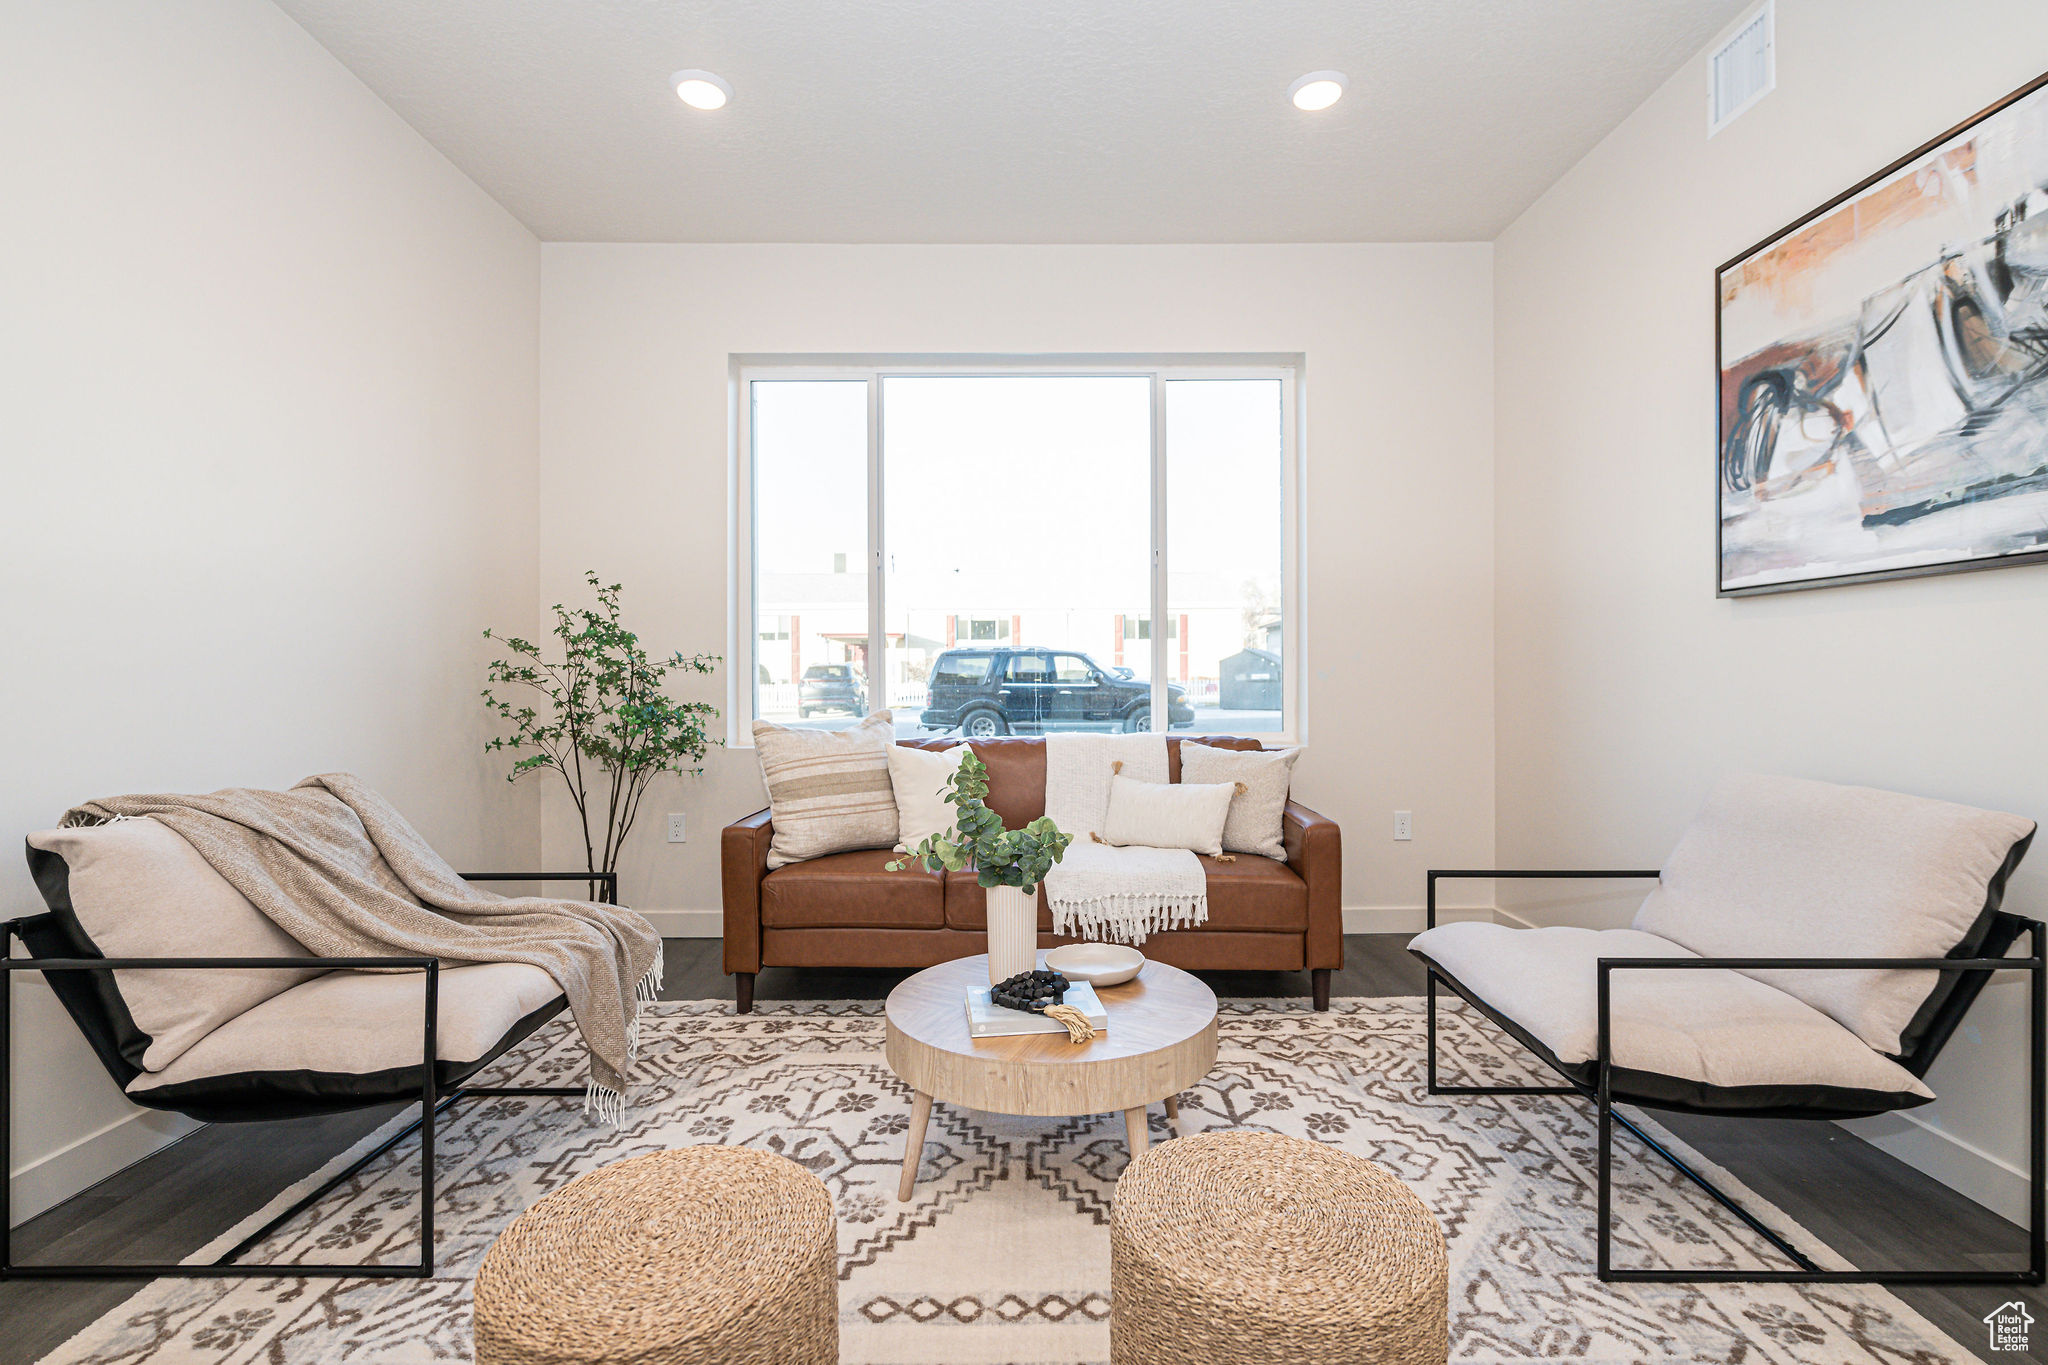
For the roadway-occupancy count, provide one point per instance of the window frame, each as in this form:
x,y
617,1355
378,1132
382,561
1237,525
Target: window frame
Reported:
x,y
743,571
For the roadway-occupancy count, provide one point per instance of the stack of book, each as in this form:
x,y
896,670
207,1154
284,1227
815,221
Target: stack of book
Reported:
x,y
986,1019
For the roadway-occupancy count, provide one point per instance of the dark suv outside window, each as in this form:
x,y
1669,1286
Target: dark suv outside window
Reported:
x,y
983,692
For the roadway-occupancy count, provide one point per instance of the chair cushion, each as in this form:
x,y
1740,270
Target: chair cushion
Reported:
x,y
349,1028
829,789
1782,867
136,888
1699,1039
852,891
1251,894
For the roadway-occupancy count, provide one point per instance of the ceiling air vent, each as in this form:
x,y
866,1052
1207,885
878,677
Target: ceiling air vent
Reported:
x,y
1742,70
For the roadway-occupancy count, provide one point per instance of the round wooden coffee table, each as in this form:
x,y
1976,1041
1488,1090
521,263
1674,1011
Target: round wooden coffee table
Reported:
x,y
1161,1040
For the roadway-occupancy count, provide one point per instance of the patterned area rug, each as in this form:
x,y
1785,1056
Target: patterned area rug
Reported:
x,y
1003,1253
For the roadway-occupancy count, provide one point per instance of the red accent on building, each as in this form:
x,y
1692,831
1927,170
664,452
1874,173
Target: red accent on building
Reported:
x,y
796,648
1117,634
952,631
1016,630
1183,648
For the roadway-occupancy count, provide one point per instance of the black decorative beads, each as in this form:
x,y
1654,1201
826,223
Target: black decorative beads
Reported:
x,y
1030,991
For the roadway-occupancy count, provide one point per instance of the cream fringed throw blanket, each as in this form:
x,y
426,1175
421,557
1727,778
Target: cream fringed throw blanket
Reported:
x,y
1097,891
343,873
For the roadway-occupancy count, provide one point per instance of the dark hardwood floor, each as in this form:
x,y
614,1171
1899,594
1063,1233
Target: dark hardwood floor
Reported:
x,y
1869,1206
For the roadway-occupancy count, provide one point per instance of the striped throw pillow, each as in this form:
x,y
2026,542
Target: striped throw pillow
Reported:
x,y
829,790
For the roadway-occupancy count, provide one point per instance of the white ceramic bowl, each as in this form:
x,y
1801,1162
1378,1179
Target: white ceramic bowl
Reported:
x,y
1098,964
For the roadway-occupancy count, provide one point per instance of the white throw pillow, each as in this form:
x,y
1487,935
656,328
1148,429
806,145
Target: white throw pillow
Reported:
x,y
828,789
1166,814
919,777
139,890
1255,812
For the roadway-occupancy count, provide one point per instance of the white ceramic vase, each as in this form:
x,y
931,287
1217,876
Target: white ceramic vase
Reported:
x,y
1012,932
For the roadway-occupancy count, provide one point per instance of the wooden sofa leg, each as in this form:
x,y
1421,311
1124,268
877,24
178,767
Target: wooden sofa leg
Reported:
x,y
1319,981
743,991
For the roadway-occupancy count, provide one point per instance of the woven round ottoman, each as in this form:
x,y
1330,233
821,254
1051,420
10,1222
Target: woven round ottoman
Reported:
x,y
718,1255
1261,1249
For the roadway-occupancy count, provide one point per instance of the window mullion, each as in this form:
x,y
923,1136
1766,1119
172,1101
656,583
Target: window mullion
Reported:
x,y
878,644
1160,642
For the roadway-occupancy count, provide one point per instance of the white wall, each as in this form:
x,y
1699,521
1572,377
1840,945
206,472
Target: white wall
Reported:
x,y
634,422
1624,686
267,376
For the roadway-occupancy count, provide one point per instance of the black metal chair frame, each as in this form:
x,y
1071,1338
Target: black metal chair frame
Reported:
x,y
1602,1098
432,1105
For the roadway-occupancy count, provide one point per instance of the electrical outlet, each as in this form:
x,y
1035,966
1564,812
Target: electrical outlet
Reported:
x,y
1404,824
675,827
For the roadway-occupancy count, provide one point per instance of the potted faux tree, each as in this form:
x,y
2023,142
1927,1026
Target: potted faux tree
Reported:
x,y
603,722
1008,863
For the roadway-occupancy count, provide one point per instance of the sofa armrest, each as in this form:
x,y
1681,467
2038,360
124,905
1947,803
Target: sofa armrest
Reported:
x,y
743,862
1315,850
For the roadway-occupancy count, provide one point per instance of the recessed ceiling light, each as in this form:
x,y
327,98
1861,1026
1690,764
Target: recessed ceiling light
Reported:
x,y
1317,90
701,89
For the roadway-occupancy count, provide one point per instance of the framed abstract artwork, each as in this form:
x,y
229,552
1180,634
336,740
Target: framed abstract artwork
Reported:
x,y
1883,370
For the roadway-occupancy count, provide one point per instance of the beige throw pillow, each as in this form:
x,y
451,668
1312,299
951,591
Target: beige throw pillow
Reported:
x,y
828,789
1255,812
919,777
1166,815
139,890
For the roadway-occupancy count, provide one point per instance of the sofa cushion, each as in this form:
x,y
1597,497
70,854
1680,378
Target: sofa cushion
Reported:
x,y
1249,894
1697,1039
1782,867
829,789
1016,769
351,1025
1255,893
852,891
1016,775
136,888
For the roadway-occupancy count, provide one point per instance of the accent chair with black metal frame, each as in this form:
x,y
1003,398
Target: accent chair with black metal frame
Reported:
x,y
464,1018
1808,952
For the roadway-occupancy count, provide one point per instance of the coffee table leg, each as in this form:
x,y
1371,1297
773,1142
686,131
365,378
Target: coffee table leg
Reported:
x,y
1173,1115
1134,1130
913,1144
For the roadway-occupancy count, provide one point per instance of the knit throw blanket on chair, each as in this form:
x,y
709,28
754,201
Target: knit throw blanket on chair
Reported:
x,y
1097,891
340,870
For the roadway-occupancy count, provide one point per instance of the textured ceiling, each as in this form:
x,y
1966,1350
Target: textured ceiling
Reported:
x,y
1014,120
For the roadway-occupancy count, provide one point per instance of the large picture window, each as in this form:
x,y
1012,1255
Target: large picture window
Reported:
x,y
998,550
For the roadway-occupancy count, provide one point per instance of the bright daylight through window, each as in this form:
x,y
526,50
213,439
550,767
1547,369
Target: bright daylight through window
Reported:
x,y
979,552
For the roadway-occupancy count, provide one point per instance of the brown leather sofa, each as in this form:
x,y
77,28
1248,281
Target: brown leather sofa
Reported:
x,y
848,910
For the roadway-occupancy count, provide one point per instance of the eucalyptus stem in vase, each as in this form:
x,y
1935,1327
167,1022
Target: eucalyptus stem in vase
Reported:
x,y
1008,864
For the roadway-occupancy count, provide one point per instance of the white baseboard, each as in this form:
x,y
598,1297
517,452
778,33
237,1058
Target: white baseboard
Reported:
x,y
50,1180
1969,1170
1407,919
687,923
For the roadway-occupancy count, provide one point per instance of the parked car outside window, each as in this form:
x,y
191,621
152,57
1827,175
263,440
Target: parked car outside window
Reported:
x,y
832,687
986,692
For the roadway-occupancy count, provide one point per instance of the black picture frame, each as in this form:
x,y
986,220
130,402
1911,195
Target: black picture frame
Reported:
x,y
1721,407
